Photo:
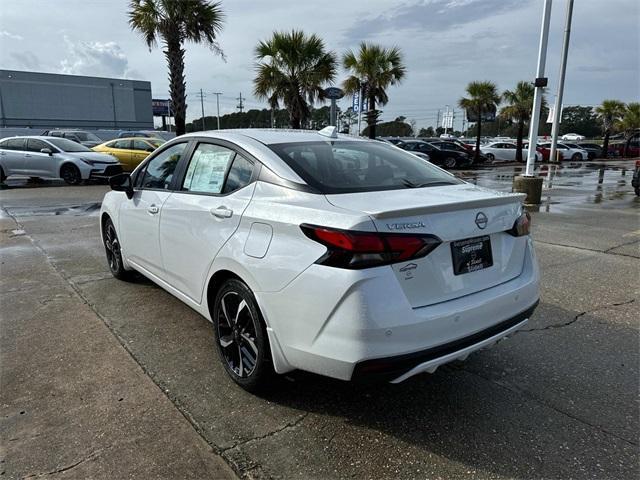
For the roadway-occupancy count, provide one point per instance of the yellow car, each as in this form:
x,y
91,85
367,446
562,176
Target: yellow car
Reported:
x,y
130,151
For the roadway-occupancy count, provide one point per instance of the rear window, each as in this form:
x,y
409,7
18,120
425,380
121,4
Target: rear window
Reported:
x,y
346,167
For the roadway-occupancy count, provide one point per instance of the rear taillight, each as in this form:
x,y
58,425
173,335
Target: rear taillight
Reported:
x,y
521,226
355,250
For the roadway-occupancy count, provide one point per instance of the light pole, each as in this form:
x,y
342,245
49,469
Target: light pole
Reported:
x,y
527,183
557,110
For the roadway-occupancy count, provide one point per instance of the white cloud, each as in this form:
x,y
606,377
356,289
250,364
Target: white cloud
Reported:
x,y
100,59
12,36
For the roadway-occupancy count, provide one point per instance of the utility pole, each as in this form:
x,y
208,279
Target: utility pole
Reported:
x,y
437,122
527,183
557,110
201,96
217,94
240,104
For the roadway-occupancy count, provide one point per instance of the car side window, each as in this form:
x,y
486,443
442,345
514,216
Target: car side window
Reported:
x,y
15,144
35,145
122,144
160,169
239,174
140,145
207,169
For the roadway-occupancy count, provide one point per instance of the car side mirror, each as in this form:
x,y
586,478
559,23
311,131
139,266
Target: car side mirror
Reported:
x,y
122,183
48,151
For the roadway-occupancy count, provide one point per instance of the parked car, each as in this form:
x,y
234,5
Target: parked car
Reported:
x,y
572,137
621,149
438,156
54,157
593,149
82,137
315,251
568,153
130,151
544,151
137,133
504,152
469,148
448,145
635,181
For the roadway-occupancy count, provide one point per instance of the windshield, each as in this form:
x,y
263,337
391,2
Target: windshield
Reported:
x,y
346,167
155,142
67,145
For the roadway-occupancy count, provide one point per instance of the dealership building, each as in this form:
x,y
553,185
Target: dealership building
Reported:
x,y
47,100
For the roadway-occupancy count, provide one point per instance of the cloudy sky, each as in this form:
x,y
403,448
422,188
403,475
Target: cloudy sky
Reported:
x,y
446,44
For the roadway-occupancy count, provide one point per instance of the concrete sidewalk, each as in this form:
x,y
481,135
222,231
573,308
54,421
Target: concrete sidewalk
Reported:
x,y
72,399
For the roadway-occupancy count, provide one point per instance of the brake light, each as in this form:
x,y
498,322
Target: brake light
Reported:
x,y
522,225
356,250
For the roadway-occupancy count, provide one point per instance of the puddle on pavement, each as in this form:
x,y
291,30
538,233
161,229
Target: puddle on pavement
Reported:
x,y
569,185
86,209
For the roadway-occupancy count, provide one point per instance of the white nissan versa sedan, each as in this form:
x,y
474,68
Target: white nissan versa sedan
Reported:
x,y
322,252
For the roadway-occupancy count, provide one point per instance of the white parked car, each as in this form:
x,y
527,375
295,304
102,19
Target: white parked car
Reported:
x,y
504,152
568,153
51,157
315,251
573,137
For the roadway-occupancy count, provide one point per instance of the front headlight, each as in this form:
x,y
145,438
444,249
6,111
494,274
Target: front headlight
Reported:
x,y
88,162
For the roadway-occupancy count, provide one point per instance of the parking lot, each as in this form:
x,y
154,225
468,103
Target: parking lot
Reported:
x,y
103,377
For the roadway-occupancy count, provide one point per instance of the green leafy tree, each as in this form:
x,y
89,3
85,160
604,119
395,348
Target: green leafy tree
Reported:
x,y
348,118
292,68
372,70
426,132
482,97
580,119
518,110
174,22
609,112
629,124
395,128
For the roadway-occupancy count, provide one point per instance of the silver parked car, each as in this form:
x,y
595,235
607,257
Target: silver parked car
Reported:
x,y
51,157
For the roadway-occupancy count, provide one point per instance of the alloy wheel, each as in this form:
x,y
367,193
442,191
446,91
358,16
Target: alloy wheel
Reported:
x,y
70,174
112,247
450,162
237,334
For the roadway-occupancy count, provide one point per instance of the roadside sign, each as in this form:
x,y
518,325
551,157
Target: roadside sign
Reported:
x,y
355,104
333,93
447,120
552,109
161,108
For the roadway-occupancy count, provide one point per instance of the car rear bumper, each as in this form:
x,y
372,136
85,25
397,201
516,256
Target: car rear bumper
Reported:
x,y
348,324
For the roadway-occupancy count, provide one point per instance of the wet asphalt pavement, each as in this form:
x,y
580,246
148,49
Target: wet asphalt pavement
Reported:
x,y
557,400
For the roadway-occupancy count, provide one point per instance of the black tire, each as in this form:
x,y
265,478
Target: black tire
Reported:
x,y
637,190
450,162
2,175
490,157
113,252
576,157
70,174
240,336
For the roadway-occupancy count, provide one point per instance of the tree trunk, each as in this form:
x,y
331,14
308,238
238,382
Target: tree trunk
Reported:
x,y
627,144
295,122
519,140
177,86
605,145
372,117
476,153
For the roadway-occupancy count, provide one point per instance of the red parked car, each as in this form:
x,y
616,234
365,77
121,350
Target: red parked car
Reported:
x,y
544,151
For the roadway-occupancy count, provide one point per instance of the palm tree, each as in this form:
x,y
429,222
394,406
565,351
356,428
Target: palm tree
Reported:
x,y
483,98
173,22
630,124
610,112
293,67
373,69
518,109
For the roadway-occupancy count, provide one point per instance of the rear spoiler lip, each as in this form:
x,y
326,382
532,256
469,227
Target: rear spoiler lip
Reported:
x,y
454,206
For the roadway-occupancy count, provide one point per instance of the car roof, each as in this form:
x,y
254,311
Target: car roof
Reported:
x,y
144,139
39,137
268,136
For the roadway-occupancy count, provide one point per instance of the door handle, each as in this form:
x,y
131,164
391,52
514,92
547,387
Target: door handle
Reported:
x,y
222,212
153,209
27,155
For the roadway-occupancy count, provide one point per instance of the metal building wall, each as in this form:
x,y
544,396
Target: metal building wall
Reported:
x,y
46,100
